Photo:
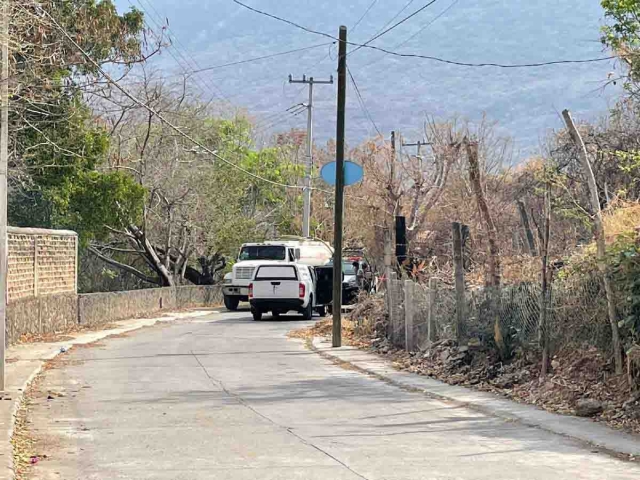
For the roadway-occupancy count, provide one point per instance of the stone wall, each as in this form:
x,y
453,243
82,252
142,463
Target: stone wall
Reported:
x,y
41,262
41,315
102,308
197,296
63,312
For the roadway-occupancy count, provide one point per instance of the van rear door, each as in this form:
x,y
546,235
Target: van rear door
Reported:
x,y
277,282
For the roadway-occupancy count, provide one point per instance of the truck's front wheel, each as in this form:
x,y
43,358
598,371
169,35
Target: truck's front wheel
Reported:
x,y
231,303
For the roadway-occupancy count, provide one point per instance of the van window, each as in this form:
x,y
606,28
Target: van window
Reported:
x,y
276,272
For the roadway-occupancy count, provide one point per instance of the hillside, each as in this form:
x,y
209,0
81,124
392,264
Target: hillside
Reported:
x,y
400,91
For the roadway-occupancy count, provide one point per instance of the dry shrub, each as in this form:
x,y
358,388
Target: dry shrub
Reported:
x,y
369,316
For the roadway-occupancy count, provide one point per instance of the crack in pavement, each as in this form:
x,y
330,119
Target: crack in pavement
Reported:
x,y
289,430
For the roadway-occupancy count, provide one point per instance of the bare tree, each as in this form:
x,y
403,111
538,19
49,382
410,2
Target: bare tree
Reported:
x,y
599,234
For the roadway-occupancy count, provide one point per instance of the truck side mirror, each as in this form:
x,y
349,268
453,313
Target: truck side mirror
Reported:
x,y
297,253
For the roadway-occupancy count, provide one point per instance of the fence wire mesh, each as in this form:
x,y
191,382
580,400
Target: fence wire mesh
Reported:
x,y
576,313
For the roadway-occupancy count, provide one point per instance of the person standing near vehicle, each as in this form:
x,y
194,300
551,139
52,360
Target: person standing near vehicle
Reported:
x,y
368,277
359,275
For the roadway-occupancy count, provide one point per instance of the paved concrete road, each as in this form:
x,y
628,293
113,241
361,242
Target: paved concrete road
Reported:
x,y
224,397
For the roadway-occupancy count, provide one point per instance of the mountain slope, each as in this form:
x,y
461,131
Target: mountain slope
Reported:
x,y
400,91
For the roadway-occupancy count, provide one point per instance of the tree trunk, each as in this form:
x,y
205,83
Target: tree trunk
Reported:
x,y
531,244
163,272
599,234
493,278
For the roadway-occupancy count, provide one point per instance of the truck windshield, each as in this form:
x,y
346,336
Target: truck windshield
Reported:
x,y
262,252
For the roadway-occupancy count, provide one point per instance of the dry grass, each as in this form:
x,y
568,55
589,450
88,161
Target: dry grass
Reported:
x,y
22,441
621,218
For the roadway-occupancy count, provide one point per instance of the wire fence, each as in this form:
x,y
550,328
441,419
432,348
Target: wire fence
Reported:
x,y
576,314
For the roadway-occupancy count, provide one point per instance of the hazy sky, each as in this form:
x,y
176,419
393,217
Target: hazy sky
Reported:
x,y
398,92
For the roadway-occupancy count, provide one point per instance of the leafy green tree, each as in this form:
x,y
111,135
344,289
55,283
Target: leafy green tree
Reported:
x,y
56,144
622,33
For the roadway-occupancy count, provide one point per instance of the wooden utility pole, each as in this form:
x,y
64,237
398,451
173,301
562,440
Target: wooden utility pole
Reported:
x,y
544,295
598,232
524,217
306,192
431,314
337,234
459,278
4,155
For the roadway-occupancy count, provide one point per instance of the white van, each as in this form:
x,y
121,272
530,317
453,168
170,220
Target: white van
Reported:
x,y
283,287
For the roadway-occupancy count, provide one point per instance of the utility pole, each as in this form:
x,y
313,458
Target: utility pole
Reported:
x,y
337,234
306,217
4,154
419,146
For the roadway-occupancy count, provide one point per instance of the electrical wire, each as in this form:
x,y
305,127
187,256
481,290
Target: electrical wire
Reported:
x,y
264,57
363,105
185,69
427,25
193,62
435,19
135,100
427,57
406,5
408,17
363,15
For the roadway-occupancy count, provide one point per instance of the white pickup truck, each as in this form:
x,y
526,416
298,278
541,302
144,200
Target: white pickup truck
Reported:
x,y
280,288
287,250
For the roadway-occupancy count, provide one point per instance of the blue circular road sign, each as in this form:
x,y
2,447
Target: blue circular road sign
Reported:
x,y
353,173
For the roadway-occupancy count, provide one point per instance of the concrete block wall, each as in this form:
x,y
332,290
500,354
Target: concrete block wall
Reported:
x,y
63,312
41,262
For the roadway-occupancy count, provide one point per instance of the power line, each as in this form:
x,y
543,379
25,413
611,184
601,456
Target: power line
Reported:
x,y
404,42
189,63
444,12
264,57
408,17
427,57
362,103
280,19
406,5
363,15
156,114
188,67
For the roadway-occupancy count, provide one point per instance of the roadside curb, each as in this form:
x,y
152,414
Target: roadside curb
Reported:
x,y
580,429
57,348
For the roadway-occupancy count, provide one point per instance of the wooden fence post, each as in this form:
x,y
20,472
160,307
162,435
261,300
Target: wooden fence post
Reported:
x,y
524,218
391,306
459,277
409,315
431,313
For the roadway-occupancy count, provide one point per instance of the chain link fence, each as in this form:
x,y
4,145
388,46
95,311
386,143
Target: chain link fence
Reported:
x,y
576,314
